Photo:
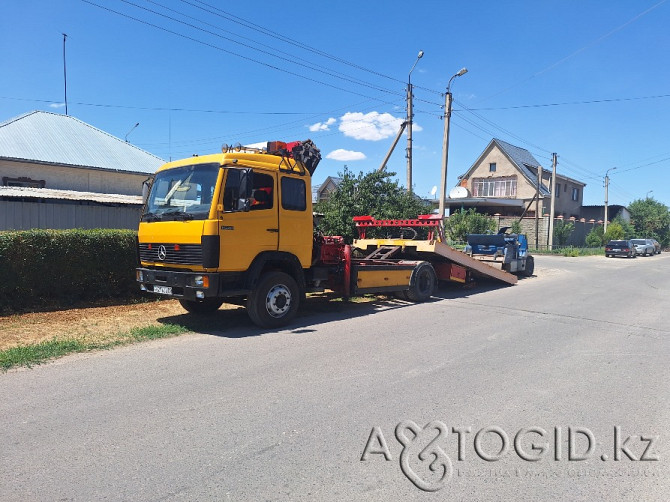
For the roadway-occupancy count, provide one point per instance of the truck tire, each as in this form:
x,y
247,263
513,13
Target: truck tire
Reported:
x,y
530,266
274,301
202,307
422,284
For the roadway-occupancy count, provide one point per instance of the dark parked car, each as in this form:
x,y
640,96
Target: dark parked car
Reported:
x,y
620,248
644,247
657,246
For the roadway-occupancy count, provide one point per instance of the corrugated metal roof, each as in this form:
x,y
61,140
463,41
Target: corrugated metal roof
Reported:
x,y
52,138
50,193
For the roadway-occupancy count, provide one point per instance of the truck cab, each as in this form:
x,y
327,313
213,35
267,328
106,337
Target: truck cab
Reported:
x,y
214,226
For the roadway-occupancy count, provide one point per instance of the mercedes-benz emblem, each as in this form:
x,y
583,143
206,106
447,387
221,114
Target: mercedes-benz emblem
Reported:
x,y
162,252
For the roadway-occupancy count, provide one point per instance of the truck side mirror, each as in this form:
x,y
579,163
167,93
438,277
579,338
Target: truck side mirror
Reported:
x,y
246,189
146,188
246,183
243,204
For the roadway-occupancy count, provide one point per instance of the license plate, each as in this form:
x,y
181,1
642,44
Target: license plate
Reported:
x,y
616,249
163,290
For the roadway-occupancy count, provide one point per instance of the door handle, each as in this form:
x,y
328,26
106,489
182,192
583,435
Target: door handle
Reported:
x,y
275,230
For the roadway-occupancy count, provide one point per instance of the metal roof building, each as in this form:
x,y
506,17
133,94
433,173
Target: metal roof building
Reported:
x,y
59,172
51,138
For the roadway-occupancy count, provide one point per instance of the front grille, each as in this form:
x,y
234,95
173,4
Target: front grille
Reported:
x,y
175,254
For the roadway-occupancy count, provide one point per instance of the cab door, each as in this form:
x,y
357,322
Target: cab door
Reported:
x,y
295,218
248,225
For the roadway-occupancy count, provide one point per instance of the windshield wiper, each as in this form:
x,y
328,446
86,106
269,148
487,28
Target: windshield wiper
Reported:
x,y
151,217
179,215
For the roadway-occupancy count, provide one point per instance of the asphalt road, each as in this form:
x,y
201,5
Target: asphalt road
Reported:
x,y
558,362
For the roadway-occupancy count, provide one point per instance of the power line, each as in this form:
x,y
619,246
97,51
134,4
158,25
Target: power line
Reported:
x,y
247,58
164,109
581,49
306,63
278,36
544,105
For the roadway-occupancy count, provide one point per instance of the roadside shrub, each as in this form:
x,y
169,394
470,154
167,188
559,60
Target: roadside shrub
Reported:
x,y
462,223
614,232
562,231
55,268
595,237
516,227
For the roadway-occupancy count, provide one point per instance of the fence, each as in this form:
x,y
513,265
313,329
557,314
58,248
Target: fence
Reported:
x,y
576,238
63,214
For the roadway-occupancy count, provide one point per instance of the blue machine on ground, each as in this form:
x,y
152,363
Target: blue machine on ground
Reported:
x,y
512,248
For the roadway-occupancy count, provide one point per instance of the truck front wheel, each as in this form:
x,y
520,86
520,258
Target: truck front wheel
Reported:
x,y
274,302
202,307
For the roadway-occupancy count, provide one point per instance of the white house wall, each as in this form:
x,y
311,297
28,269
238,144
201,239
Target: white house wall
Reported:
x,y
75,178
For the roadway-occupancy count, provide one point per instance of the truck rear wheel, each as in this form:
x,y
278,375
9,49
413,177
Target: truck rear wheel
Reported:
x,y
274,302
202,307
423,282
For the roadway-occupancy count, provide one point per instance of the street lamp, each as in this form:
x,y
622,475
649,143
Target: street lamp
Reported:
x,y
131,130
445,140
410,119
650,191
607,184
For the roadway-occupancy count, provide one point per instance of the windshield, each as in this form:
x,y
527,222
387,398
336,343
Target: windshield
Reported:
x,y
182,193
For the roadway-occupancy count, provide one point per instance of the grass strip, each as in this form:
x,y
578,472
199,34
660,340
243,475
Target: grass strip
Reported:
x,y
29,355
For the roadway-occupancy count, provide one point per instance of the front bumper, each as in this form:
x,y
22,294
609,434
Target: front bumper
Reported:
x,y
180,285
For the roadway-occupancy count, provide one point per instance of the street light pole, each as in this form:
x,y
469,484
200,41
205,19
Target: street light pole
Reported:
x,y
445,140
607,184
410,120
650,191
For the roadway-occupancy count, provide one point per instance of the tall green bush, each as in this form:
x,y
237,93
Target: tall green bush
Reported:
x,y
562,231
55,268
462,223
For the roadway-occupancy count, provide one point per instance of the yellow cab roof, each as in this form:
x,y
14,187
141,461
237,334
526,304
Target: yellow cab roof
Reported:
x,y
260,160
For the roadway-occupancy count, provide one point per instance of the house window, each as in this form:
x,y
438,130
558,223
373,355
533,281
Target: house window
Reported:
x,y
575,194
492,167
497,187
22,182
558,190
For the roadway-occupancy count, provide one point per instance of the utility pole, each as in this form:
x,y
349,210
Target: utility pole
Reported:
x,y
554,162
410,120
445,141
65,71
607,184
537,207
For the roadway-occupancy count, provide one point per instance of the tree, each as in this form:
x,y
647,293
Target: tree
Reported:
x,y
628,229
651,220
614,232
595,238
462,223
562,231
375,194
516,227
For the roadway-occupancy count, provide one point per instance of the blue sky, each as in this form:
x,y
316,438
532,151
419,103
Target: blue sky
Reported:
x,y
588,80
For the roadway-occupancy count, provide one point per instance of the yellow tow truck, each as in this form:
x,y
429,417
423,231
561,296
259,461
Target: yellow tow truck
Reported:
x,y
238,227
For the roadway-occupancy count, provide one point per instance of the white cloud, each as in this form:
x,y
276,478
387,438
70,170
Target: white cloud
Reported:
x,y
56,105
345,155
322,126
373,126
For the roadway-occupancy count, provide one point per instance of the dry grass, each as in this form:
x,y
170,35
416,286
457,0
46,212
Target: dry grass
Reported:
x,y
90,325
94,326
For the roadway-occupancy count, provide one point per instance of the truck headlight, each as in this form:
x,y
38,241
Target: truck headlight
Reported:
x,y
201,281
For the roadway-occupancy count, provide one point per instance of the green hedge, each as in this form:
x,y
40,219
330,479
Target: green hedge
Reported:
x,y
56,268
